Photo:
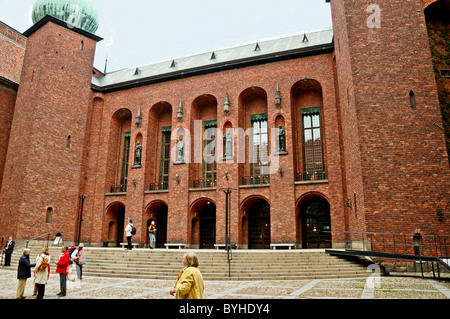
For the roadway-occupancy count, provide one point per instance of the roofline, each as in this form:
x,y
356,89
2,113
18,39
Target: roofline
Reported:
x,y
223,66
9,83
63,24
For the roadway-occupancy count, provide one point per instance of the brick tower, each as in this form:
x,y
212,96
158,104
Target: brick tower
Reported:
x,y
395,158
43,171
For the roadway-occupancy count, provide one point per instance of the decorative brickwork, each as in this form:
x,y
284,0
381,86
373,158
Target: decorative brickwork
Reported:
x,y
368,161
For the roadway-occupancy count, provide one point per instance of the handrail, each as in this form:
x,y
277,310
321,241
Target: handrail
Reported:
x,y
26,242
414,247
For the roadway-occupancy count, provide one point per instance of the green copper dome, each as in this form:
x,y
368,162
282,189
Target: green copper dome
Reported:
x,y
78,13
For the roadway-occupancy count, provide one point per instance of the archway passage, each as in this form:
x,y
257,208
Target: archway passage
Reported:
x,y
159,212
259,225
316,223
116,222
208,226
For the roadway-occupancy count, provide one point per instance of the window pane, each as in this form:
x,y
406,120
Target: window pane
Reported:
x,y
307,121
264,127
317,134
308,136
316,120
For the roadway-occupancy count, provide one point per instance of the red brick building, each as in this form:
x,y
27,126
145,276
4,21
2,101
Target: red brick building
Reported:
x,y
362,150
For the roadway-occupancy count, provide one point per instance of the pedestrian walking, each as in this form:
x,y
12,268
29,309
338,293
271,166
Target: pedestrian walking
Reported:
x,y
62,268
79,258
189,284
9,249
23,272
152,234
129,230
42,272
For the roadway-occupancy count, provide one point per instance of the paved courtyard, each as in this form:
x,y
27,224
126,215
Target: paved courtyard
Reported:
x,y
386,287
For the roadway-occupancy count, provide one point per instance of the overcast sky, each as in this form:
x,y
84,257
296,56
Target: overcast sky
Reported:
x,y
147,31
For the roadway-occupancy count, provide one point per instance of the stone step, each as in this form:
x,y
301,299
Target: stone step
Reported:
x,y
246,264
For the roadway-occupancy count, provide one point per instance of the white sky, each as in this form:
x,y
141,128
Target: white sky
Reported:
x,y
147,31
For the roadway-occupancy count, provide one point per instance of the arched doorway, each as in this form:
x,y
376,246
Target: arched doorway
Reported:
x,y
158,213
208,226
202,230
115,223
316,223
259,225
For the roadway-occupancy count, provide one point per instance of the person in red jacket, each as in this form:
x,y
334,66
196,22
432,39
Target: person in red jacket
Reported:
x,y
62,267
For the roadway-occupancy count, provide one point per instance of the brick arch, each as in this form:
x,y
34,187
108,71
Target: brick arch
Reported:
x,y
157,211
114,222
194,218
300,227
244,206
427,3
159,120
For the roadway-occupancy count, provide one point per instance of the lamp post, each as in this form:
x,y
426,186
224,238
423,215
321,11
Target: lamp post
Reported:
x,y
227,190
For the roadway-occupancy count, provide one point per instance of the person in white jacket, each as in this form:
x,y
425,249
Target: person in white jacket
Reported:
x,y
128,230
42,272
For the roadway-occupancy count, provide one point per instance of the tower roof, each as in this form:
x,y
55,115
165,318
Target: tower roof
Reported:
x,y
78,13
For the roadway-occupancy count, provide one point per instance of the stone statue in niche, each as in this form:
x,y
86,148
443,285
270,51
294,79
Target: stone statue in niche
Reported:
x,y
180,151
138,155
281,141
228,146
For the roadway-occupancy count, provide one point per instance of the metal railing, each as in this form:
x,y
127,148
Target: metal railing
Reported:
x,y
26,242
118,189
204,183
256,180
161,186
311,176
432,248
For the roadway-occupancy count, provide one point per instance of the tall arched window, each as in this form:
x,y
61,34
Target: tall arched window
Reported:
x,y
312,144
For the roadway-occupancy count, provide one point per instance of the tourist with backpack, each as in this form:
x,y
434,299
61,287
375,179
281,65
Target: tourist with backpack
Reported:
x,y
42,272
79,258
130,230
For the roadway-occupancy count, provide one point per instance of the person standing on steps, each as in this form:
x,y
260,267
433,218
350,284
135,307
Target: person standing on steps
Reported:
x,y
130,230
152,234
9,249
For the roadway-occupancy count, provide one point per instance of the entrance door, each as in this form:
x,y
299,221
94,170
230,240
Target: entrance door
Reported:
x,y
120,226
208,226
259,226
316,224
161,227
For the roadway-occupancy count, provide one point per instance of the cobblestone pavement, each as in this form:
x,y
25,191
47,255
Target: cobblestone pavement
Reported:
x,y
385,287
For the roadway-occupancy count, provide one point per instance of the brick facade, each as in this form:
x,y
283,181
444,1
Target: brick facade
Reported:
x,y
385,166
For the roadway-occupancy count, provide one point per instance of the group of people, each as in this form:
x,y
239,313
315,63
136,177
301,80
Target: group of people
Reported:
x,y
189,284
42,269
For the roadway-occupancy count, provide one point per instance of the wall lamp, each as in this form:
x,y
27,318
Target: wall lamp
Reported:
x,y
177,178
347,202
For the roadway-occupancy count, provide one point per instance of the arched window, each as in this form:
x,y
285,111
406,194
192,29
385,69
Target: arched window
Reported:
x,y
412,100
48,215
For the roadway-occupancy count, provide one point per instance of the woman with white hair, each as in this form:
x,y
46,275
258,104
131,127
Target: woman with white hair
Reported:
x,y
189,284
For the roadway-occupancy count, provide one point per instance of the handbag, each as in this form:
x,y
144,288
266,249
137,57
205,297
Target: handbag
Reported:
x,y
43,265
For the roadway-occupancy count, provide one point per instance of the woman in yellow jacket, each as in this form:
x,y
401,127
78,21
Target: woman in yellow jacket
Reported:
x,y
189,284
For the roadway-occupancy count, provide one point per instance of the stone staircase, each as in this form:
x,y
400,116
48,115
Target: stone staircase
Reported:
x,y
246,264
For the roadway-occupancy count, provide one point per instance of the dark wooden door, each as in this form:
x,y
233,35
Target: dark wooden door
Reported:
x,y
259,226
